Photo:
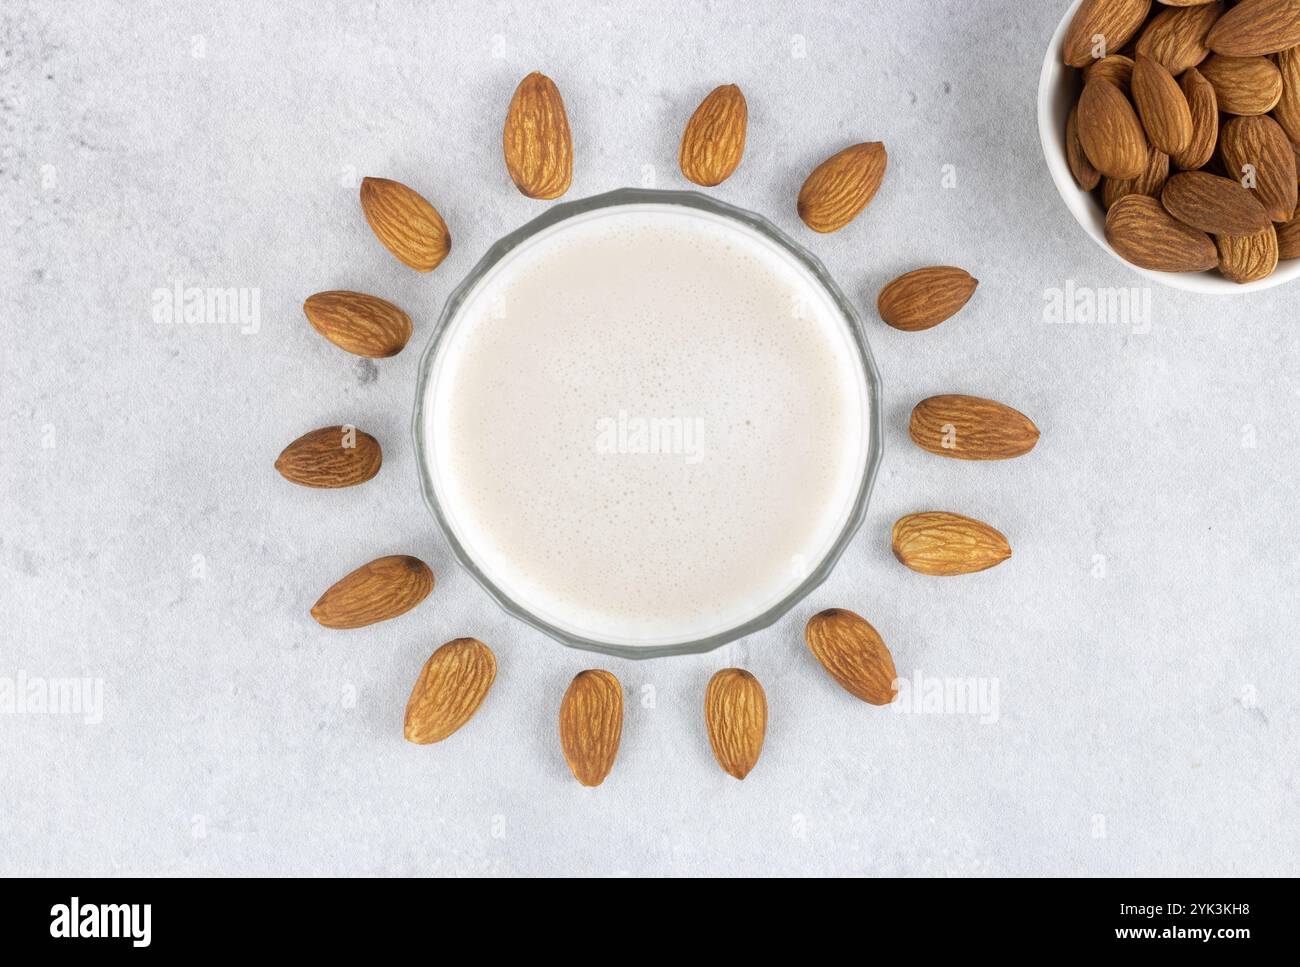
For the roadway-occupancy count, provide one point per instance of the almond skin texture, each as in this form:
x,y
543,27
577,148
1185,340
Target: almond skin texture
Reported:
x,y
1257,27
1176,35
1150,182
1248,258
1203,105
1109,129
1085,175
735,712
1243,85
1287,109
1114,20
1288,239
943,544
1213,204
377,591
971,428
1117,68
854,654
536,140
451,687
1261,144
591,724
408,225
362,324
1142,232
841,186
714,140
1161,105
923,298
333,456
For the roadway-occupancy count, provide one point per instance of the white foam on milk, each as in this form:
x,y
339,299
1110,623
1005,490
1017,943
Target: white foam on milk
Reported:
x,y
706,336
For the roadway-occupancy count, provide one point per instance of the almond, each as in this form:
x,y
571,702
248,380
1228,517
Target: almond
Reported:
x,y
1213,204
451,687
1255,27
1100,27
854,654
362,324
1116,68
1288,239
1150,182
923,298
1161,105
1257,150
1287,109
971,428
1243,85
408,225
1248,258
1109,130
537,143
841,186
1176,36
735,712
1203,105
591,724
1085,175
333,456
714,140
1142,232
377,591
939,543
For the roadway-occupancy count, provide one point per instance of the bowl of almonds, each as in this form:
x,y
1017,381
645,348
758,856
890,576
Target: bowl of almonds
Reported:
x,y
1172,131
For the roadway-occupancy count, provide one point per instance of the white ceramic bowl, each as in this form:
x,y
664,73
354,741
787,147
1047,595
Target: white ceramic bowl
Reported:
x,y
1058,89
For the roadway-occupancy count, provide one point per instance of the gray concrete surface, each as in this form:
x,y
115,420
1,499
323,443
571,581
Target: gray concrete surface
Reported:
x,y
1142,640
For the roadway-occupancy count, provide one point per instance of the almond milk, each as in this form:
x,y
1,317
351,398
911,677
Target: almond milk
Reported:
x,y
647,424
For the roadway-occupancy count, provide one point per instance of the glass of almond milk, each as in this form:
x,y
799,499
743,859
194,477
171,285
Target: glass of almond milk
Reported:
x,y
648,423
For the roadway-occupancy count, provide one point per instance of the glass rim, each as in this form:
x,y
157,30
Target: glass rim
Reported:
x,y
688,199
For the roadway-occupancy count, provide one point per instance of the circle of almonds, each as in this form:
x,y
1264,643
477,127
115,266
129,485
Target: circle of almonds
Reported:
x,y
457,677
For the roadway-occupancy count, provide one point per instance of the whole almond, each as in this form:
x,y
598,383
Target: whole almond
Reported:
x,y
1287,109
1161,105
1142,232
1257,150
735,713
1150,182
1288,239
451,687
1213,204
841,186
1100,27
971,428
333,456
536,140
377,591
362,324
1176,35
1203,105
1243,85
1116,68
854,654
591,724
405,222
1248,258
714,140
1255,27
1110,132
944,544
1085,175
940,543
923,298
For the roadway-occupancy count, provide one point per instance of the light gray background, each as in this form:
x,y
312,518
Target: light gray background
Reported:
x,y
1142,637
